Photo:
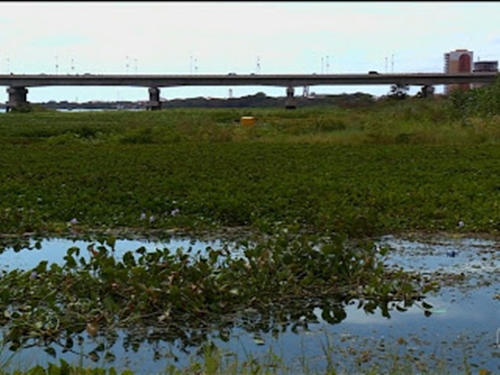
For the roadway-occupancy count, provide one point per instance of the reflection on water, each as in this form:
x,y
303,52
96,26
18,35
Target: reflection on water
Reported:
x,y
452,256
54,249
460,255
463,323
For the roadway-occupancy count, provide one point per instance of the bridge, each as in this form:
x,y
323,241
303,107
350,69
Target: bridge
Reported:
x,y
18,83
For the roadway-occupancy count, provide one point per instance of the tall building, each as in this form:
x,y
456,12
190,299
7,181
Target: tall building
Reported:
x,y
458,61
484,66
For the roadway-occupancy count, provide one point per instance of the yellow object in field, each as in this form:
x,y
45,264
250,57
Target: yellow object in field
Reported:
x,y
247,120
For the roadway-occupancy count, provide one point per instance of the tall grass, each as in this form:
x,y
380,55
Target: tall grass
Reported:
x,y
414,121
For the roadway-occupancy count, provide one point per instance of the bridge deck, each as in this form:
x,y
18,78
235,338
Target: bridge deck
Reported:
x,y
281,80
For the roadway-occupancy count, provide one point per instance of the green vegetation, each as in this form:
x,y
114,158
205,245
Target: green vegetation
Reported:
x,y
29,108
355,171
310,187
282,277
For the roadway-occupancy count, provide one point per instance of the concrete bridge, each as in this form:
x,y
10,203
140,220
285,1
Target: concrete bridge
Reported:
x,y
18,83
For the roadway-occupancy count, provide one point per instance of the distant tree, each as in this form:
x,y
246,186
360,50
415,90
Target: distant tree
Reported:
x,y
261,94
30,107
399,91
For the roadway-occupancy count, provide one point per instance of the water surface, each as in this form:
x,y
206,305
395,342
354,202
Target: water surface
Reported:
x,y
464,321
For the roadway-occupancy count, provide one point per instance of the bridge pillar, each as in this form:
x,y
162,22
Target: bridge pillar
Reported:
x,y
17,97
290,102
427,91
154,99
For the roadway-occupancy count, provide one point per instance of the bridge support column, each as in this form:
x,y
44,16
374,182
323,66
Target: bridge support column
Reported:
x,y
427,91
290,102
17,97
154,99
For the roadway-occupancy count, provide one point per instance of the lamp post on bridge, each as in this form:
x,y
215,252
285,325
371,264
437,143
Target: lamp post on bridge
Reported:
x,y
325,64
193,64
392,63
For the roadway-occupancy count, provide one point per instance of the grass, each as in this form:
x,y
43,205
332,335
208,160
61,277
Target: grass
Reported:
x,y
412,121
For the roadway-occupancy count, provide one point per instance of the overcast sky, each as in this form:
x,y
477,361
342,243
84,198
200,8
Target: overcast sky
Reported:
x,y
240,37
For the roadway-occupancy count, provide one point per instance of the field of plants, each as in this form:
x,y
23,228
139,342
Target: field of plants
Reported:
x,y
305,192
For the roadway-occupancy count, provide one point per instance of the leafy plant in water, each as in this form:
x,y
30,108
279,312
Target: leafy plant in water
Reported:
x,y
282,277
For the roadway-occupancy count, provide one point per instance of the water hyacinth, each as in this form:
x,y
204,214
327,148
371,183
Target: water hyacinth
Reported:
x,y
143,216
73,221
188,290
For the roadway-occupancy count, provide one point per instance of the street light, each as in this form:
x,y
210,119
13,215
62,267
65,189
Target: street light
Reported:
x,y
325,64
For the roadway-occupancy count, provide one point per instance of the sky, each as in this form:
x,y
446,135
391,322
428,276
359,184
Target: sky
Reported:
x,y
241,37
